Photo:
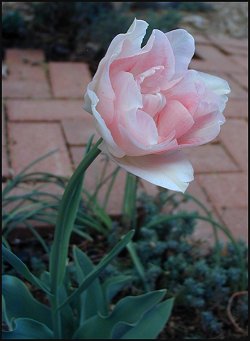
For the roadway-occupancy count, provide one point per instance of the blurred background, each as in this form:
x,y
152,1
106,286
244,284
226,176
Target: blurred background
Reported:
x,y
82,31
52,49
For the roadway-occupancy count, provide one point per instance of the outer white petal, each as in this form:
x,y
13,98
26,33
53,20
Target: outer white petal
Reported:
x,y
218,85
102,128
122,45
171,171
182,44
87,100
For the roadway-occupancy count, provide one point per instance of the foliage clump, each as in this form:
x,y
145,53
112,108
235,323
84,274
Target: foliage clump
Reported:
x,y
201,283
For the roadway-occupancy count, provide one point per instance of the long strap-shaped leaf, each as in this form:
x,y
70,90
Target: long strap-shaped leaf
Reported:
x,y
66,218
104,262
22,269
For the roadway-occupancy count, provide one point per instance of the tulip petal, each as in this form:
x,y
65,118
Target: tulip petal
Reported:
x,y
183,47
174,117
159,54
128,44
128,95
172,171
205,129
102,128
123,45
218,85
188,90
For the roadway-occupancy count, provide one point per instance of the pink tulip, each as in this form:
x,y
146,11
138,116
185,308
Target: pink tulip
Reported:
x,y
148,105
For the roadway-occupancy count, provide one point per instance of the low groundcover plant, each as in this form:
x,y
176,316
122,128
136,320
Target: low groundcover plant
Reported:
x,y
147,107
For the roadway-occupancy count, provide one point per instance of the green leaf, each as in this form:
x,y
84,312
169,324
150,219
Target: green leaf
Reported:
x,y
20,303
28,329
137,263
68,321
92,300
22,269
129,201
66,217
4,313
99,268
102,215
113,285
67,316
129,310
12,183
152,322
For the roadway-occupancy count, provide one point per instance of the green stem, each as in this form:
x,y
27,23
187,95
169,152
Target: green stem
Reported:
x,y
56,316
129,220
106,199
67,212
129,201
137,263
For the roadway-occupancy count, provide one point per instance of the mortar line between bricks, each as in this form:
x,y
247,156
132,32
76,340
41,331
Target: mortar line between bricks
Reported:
x,y
232,157
67,145
51,98
33,121
7,144
40,99
227,152
47,75
216,172
231,76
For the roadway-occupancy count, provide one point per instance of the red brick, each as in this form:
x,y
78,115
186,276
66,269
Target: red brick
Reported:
x,y
69,79
201,65
27,55
234,137
241,60
215,60
25,79
233,50
3,126
237,92
44,110
5,167
78,131
26,72
210,158
222,40
200,39
236,108
225,190
241,79
236,219
25,89
93,175
28,141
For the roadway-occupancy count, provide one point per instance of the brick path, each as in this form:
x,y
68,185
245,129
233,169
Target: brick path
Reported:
x,y
42,110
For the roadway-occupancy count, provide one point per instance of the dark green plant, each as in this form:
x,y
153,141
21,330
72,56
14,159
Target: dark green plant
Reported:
x,y
193,7
27,200
202,284
78,30
164,21
14,28
77,310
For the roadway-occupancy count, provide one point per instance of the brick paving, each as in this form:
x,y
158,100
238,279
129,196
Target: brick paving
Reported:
x,y
43,111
